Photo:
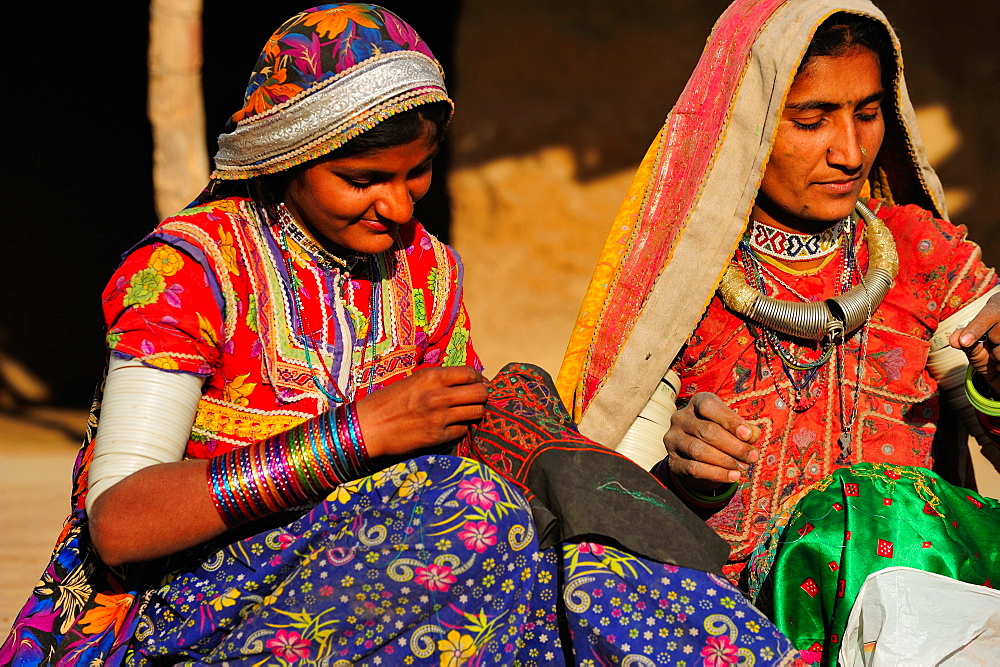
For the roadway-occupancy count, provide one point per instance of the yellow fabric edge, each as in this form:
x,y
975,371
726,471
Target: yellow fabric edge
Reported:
x,y
608,262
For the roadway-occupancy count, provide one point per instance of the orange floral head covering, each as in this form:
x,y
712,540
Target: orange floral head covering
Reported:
x,y
325,76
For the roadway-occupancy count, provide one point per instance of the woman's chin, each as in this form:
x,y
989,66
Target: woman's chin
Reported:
x,y
367,242
373,245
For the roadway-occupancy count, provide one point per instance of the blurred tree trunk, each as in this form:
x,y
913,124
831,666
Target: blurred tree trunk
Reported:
x,y
175,105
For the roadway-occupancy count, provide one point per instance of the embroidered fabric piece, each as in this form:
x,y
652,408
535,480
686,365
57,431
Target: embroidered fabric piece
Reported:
x,y
236,425
817,552
783,245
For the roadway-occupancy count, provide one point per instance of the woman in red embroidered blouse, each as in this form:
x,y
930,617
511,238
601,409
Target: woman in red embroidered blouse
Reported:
x,y
775,311
376,301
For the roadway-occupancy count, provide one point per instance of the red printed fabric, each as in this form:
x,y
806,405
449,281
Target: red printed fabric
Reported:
x,y
208,292
897,405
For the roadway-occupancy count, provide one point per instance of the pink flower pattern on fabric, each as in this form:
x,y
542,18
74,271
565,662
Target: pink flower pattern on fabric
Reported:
x,y
435,577
289,646
479,492
591,548
478,536
720,652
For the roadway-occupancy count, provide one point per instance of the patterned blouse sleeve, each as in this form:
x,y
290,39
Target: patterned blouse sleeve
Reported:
x,y
159,309
966,275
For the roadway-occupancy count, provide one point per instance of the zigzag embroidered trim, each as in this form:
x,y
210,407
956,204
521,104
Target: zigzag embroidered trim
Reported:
x,y
789,246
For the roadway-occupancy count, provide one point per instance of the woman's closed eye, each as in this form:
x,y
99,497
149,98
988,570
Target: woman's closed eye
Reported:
x,y
357,184
804,125
808,121
868,115
420,170
360,180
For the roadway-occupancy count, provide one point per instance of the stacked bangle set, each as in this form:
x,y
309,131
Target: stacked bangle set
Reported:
x,y
290,469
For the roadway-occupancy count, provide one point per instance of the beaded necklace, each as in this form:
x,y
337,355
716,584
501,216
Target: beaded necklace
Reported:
x,y
755,272
374,334
829,318
846,423
801,374
765,269
788,246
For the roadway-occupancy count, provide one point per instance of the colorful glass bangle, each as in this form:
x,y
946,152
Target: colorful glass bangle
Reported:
x,y
337,438
217,487
357,438
986,405
290,469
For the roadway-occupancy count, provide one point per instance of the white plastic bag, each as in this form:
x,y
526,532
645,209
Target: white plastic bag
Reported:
x,y
904,616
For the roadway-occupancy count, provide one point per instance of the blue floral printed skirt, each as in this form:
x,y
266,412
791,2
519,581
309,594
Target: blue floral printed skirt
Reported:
x,y
436,561
521,551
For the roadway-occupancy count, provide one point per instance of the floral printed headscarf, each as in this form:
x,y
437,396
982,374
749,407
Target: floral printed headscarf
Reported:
x,y
325,76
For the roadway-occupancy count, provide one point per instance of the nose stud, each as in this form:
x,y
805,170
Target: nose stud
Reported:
x,y
864,152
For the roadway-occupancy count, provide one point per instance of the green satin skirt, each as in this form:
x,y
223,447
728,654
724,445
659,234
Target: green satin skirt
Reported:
x,y
807,572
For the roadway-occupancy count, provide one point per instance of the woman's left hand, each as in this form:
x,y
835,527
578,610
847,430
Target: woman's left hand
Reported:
x,y
980,340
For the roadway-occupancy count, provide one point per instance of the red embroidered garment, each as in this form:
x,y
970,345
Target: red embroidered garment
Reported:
x,y
897,406
207,293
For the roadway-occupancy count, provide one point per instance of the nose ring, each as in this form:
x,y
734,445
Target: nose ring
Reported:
x,y
864,152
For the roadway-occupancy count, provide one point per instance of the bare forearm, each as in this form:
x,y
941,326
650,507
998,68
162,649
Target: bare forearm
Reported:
x,y
155,512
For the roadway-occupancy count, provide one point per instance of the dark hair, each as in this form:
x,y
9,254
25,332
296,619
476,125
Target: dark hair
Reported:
x,y
843,33
401,128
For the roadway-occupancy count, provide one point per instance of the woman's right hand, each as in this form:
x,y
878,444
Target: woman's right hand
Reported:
x,y
709,444
428,408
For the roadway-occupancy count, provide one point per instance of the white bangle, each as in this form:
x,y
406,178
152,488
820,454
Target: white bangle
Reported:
x,y
643,443
146,419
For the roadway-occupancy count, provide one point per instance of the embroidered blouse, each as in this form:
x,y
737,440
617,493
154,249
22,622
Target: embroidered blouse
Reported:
x,y
210,292
897,405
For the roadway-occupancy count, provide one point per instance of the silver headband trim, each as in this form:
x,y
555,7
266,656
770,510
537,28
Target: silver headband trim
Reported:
x,y
305,121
